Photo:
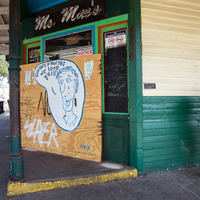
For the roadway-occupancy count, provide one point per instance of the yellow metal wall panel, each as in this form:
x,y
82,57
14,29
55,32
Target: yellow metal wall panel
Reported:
x,y
171,47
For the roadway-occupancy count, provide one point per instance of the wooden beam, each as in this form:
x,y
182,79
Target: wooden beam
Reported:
x,y
3,22
4,26
4,49
4,10
4,52
4,39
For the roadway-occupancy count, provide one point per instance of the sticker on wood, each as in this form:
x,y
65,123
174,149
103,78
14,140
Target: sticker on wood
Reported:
x,y
61,107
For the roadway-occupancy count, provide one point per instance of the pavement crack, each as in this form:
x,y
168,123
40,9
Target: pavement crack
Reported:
x,y
191,192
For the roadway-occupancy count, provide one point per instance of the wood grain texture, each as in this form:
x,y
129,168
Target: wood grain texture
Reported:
x,y
171,47
86,141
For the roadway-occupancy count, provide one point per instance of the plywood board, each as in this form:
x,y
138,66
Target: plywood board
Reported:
x,y
45,109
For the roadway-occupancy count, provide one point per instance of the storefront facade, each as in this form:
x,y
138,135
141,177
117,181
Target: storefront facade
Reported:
x,y
149,74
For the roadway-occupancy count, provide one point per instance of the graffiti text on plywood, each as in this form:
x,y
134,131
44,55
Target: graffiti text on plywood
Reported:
x,y
38,130
65,88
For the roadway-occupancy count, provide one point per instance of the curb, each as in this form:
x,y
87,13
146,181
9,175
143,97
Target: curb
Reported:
x,y
24,188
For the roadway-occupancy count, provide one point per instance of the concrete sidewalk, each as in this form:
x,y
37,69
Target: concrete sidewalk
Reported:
x,y
176,185
46,171
4,152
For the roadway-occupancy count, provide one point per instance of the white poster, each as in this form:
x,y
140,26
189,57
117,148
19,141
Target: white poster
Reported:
x,y
115,39
28,77
88,67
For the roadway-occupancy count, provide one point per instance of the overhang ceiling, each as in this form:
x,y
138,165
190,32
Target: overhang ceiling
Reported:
x,y
4,27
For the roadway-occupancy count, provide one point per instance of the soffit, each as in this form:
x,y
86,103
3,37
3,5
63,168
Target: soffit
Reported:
x,y
4,27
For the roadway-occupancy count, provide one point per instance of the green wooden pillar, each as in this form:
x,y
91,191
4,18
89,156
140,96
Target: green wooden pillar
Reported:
x,y
16,159
135,84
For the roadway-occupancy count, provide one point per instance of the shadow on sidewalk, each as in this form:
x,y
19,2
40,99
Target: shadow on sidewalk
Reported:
x,y
4,151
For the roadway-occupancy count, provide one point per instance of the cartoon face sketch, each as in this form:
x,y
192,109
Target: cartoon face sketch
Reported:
x,y
68,85
65,88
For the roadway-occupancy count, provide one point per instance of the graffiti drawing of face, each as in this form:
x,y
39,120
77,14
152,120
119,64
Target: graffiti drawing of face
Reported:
x,y
64,83
68,85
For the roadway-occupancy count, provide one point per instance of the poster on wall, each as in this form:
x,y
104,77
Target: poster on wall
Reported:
x,y
34,54
61,107
68,14
115,39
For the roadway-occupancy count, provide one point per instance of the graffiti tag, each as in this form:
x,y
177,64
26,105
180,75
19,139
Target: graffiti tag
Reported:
x,y
38,129
44,103
85,147
131,43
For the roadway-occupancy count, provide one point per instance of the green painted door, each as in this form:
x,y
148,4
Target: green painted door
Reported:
x,y
115,97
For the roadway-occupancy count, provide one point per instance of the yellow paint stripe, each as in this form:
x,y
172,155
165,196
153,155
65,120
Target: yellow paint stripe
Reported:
x,y
23,188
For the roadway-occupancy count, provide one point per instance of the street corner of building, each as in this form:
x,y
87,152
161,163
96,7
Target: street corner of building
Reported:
x,y
24,188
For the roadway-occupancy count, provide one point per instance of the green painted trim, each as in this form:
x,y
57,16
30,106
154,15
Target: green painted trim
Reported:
x,y
154,161
15,143
135,84
32,39
56,33
117,117
161,117
107,29
16,159
21,47
171,141
169,151
61,34
114,113
110,113
167,105
106,22
96,24
173,99
170,132
170,165
155,112
16,167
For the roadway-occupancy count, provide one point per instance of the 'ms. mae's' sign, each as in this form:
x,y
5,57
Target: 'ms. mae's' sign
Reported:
x,y
68,14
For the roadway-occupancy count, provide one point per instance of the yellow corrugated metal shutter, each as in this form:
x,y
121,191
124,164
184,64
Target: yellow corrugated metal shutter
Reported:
x,y
171,47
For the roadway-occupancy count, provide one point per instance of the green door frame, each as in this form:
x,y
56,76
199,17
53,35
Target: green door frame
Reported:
x,y
135,85
117,123
134,70
107,29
